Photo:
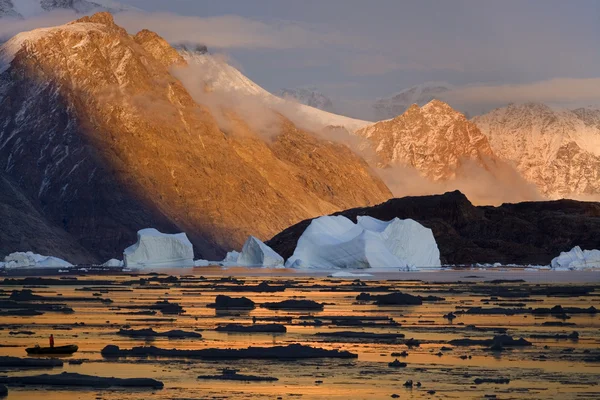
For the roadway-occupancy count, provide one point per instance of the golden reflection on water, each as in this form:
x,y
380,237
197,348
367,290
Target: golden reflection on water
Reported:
x,y
559,375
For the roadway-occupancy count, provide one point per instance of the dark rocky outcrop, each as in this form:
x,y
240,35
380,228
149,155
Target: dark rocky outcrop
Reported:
x,y
80,380
255,328
528,232
228,374
223,302
292,304
150,333
289,352
17,362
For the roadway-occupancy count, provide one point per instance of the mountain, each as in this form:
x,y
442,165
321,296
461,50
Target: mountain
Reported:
x,y
308,96
102,139
435,139
28,8
219,76
396,104
523,233
557,150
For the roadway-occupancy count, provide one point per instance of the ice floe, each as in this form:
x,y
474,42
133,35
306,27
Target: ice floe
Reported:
x,y
155,250
32,260
333,242
576,259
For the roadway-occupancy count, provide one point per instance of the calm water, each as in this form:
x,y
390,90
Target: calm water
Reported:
x,y
558,371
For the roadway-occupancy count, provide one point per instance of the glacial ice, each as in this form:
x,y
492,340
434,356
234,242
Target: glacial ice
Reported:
x,y
257,254
333,242
576,259
231,257
33,260
156,249
113,262
201,263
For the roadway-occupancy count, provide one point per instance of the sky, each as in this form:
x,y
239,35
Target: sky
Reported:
x,y
355,51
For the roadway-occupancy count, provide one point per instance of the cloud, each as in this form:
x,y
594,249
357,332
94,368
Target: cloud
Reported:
x,y
11,26
553,91
230,31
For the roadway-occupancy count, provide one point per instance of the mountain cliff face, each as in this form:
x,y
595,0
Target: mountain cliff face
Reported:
x,y
435,139
558,151
104,140
398,103
308,96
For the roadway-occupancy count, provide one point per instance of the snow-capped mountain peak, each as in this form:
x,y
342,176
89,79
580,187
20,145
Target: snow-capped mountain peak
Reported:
x,y
556,149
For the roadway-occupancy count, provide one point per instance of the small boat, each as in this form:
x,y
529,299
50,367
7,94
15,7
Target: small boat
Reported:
x,y
69,349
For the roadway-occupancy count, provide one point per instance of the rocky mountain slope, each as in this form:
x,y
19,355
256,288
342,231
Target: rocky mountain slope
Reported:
x,y
96,130
396,104
523,233
435,139
557,150
308,96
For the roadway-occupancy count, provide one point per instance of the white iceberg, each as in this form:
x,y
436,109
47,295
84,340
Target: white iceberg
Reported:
x,y
113,262
257,254
334,242
231,257
201,263
155,250
344,274
576,259
33,260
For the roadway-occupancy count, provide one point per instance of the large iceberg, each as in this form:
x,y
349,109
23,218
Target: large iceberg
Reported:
x,y
577,259
333,242
257,254
156,249
33,260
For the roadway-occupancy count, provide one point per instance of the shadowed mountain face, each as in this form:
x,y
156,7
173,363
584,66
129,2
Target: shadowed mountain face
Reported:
x,y
96,130
522,233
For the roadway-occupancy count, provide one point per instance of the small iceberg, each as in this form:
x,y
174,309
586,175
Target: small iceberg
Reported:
x,y
158,250
32,260
257,254
576,259
113,262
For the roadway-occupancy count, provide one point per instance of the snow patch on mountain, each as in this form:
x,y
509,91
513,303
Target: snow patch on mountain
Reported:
x,y
219,76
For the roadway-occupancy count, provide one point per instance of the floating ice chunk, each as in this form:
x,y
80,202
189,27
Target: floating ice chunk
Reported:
x,y
257,254
576,259
332,242
344,274
231,257
201,263
156,249
113,262
33,260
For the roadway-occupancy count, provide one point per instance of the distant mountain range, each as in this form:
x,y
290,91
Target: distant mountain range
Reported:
x,y
396,104
308,96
